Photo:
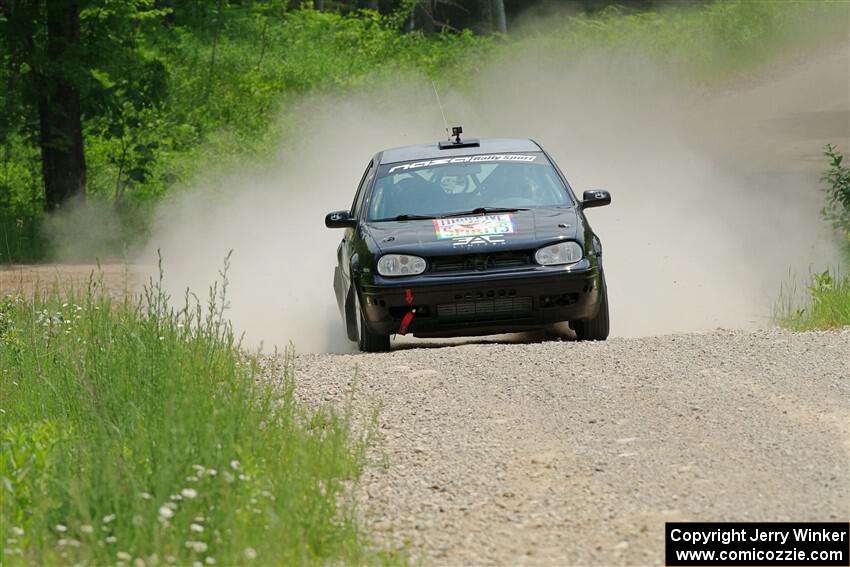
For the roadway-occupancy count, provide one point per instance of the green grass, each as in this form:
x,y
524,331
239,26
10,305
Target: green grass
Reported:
x,y
826,304
133,430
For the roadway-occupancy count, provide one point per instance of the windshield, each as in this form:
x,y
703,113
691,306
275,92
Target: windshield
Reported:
x,y
448,186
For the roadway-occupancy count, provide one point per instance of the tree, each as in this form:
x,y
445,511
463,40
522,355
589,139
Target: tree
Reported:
x,y
497,9
75,63
60,119
42,42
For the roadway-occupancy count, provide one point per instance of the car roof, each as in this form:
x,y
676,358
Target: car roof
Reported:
x,y
433,151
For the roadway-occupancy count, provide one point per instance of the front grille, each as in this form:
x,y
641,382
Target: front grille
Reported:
x,y
485,309
480,262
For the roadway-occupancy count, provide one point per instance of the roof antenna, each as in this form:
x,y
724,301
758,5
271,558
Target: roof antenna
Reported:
x,y
440,104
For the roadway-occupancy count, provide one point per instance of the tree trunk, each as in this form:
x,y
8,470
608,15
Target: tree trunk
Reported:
x,y
421,18
372,5
60,123
485,17
498,9
319,5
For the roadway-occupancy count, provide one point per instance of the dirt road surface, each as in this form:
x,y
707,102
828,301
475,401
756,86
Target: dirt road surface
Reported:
x,y
26,279
567,453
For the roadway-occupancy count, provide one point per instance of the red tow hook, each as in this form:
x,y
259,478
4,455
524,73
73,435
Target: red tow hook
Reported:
x,y
408,317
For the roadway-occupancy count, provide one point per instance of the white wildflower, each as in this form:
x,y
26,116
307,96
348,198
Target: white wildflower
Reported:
x,y
235,465
123,556
196,546
191,479
86,529
139,562
61,528
189,493
250,553
145,496
176,497
17,531
197,528
165,512
108,518
210,561
111,539
199,469
243,477
229,477
199,519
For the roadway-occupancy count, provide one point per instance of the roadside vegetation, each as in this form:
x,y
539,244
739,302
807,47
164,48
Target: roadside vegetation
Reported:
x,y
826,303
138,434
172,90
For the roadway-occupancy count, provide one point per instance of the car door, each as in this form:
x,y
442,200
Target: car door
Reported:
x,y
344,251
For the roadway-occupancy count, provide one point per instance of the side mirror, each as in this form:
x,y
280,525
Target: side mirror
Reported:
x,y
340,219
595,198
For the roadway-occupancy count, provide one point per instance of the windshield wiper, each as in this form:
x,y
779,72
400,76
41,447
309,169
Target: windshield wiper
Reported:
x,y
406,217
485,210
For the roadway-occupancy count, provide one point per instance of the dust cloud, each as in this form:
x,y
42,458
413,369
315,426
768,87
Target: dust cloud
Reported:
x,y
715,193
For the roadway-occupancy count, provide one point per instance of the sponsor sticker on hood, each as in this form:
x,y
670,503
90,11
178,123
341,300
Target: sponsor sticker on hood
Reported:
x,y
473,226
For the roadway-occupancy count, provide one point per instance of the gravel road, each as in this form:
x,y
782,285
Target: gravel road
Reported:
x,y
567,453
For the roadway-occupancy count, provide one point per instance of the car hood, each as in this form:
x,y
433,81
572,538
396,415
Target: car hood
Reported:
x,y
520,230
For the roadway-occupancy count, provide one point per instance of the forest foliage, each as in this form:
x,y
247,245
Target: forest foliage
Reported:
x,y
170,89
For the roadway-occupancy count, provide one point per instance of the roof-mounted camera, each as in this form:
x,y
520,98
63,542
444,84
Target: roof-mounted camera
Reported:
x,y
456,132
457,142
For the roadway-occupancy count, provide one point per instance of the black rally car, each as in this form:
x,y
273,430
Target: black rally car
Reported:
x,y
467,237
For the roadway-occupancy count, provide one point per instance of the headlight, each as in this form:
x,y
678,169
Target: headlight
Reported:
x,y
400,265
561,253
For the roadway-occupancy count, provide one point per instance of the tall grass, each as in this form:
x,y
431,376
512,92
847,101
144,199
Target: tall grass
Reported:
x,y
133,432
826,304
827,299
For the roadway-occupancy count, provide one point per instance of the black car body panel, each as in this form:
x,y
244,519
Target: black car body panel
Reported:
x,y
478,283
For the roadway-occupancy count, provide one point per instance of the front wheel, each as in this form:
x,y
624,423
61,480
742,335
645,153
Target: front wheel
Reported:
x,y
595,328
367,341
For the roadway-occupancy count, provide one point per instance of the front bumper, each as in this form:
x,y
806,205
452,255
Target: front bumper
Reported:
x,y
482,302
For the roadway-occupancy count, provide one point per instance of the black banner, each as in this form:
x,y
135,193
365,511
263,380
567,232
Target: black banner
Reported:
x,y
761,544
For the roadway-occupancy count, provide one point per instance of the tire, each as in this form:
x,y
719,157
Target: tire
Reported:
x,y
367,341
596,328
